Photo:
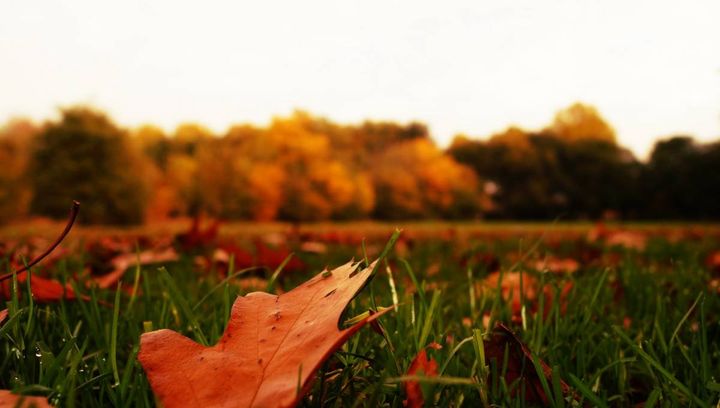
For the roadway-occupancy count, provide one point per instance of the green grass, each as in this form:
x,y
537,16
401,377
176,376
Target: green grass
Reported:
x,y
83,353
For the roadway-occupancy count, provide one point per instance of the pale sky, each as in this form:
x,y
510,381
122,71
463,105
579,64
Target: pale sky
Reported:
x,y
652,68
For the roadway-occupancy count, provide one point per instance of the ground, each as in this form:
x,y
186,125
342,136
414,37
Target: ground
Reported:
x,y
623,314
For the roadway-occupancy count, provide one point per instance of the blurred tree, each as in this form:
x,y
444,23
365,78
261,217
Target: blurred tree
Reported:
x,y
317,184
188,136
305,167
265,187
377,136
513,172
415,179
222,176
154,144
580,121
16,139
544,176
682,179
177,190
162,198
181,178
254,162
86,157
588,178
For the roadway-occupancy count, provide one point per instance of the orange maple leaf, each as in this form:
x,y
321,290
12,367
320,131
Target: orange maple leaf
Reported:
x,y
269,352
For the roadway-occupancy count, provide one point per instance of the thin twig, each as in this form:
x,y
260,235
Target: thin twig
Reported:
x,y
71,221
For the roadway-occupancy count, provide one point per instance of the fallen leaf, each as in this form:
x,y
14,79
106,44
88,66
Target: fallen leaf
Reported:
x,y
510,291
220,259
269,352
557,265
519,365
433,269
123,261
510,288
714,285
313,247
196,238
8,399
486,318
713,263
627,239
620,238
33,249
250,283
43,290
421,365
272,257
71,221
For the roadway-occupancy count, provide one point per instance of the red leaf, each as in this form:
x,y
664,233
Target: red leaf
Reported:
x,y
196,238
510,290
43,290
420,365
520,364
273,257
713,263
8,399
272,345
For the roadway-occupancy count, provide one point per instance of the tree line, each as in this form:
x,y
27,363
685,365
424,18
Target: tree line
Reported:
x,y
308,168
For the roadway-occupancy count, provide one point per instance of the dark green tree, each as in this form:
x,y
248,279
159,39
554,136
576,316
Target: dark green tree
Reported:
x,y
544,176
86,157
682,180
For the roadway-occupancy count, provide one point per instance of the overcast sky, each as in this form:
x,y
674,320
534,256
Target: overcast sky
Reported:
x,y
652,68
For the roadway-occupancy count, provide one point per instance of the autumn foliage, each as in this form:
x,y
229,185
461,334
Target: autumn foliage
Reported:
x,y
306,168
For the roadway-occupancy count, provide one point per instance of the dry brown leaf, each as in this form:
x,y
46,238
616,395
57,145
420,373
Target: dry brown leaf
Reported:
x,y
519,365
269,352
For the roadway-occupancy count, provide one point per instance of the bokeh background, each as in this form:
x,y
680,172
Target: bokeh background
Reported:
x,y
321,110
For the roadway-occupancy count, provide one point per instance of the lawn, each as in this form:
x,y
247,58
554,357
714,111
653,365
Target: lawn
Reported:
x,y
623,316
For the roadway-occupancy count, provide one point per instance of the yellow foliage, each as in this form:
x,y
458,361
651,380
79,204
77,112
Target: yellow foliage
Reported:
x,y
15,146
265,185
415,177
580,121
181,173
